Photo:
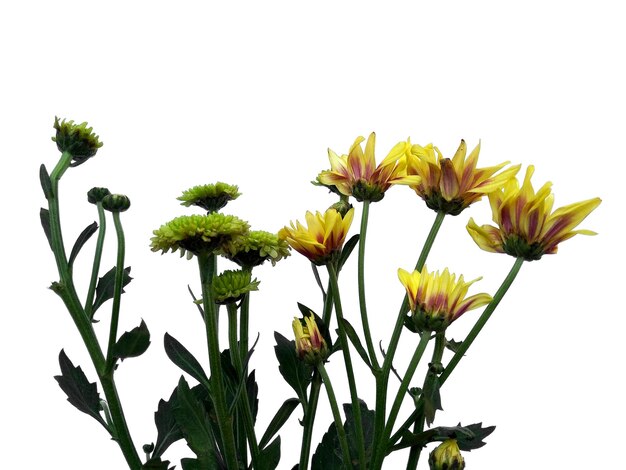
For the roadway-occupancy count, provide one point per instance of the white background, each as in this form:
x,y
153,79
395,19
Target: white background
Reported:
x,y
253,93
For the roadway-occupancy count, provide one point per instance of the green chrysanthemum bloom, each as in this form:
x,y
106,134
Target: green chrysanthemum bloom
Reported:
x,y
254,248
76,139
196,234
231,286
211,197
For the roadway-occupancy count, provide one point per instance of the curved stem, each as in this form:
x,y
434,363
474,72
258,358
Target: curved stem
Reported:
x,y
207,264
117,291
345,347
341,432
309,420
96,262
361,276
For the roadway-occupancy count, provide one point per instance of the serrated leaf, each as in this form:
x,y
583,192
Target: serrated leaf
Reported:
x,y
156,464
180,356
84,236
432,397
106,285
279,419
356,342
168,430
46,184
468,437
295,372
80,392
132,343
44,216
326,456
453,345
348,247
367,425
474,439
270,456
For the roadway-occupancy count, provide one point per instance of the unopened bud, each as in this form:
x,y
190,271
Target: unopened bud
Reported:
x,y
76,139
446,456
96,195
116,203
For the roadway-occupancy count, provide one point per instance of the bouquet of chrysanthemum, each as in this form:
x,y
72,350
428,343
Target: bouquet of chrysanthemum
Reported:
x,y
216,414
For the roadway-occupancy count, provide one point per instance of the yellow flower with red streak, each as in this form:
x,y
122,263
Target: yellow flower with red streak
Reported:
x,y
356,174
311,346
527,226
437,299
446,456
451,185
323,236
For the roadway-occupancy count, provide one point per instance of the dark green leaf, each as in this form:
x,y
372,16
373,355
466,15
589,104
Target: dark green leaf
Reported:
x,y
306,312
432,397
156,464
132,343
367,425
44,216
105,286
81,240
270,456
328,455
190,464
80,392
348,247
252,390
180,356
295,372
354,339
168,430
474,438
46,184
468,437
453,345
279,419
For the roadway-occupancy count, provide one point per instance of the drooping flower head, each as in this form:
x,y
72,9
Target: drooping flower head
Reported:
x,y
210,197
76,139
231,286
527,226
256,247
356,174
311,346
446,456
197,234
323,236
451,185
437,299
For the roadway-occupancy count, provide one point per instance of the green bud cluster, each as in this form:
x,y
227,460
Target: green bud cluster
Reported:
x,y
231,286
76,139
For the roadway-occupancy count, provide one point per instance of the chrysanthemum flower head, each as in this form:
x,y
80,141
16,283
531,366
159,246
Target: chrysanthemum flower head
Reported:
x,y
437,299
76,139
356,174
446,456
323,236
311,346
255,247
231,286
527,226
197,234
451,185
211,197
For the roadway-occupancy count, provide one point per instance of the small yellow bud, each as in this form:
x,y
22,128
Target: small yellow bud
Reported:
x,y
446,456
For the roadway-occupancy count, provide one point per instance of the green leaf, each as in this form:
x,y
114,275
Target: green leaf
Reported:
x,y
46,184
468,437
432,397
132,343
279,419
105,286
354,339
252,390
168,430
453,345
473,438
44,216
348,247
193,420
156,464
190,464
326,456
306,312
367,424
295,372
270,456
80,392
81,240
180,356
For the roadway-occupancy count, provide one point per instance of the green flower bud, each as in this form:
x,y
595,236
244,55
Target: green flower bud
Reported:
x,y
96,195
76,139
211,197
256,247
342,206
115,202
230,286
446,456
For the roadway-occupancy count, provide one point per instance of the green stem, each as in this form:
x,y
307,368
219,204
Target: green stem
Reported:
x,y
96,262
383,443
117,292
382,381
207,265
341,432
309,420
244,323
361,276
345,347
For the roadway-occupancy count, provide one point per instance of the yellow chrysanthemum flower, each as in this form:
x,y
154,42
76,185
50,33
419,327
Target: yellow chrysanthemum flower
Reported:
x,y
436,300
451,185
356,174
323,236
446,456
527,227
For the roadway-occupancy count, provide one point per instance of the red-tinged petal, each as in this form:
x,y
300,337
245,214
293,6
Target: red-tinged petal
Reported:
x,y
487,237
459,159
449,184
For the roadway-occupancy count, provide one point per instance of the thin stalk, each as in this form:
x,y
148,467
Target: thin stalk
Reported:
x,y
361,277
382,444
96,261
382,381
117,292
244,322
345,347
341,432
207,265
309,420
